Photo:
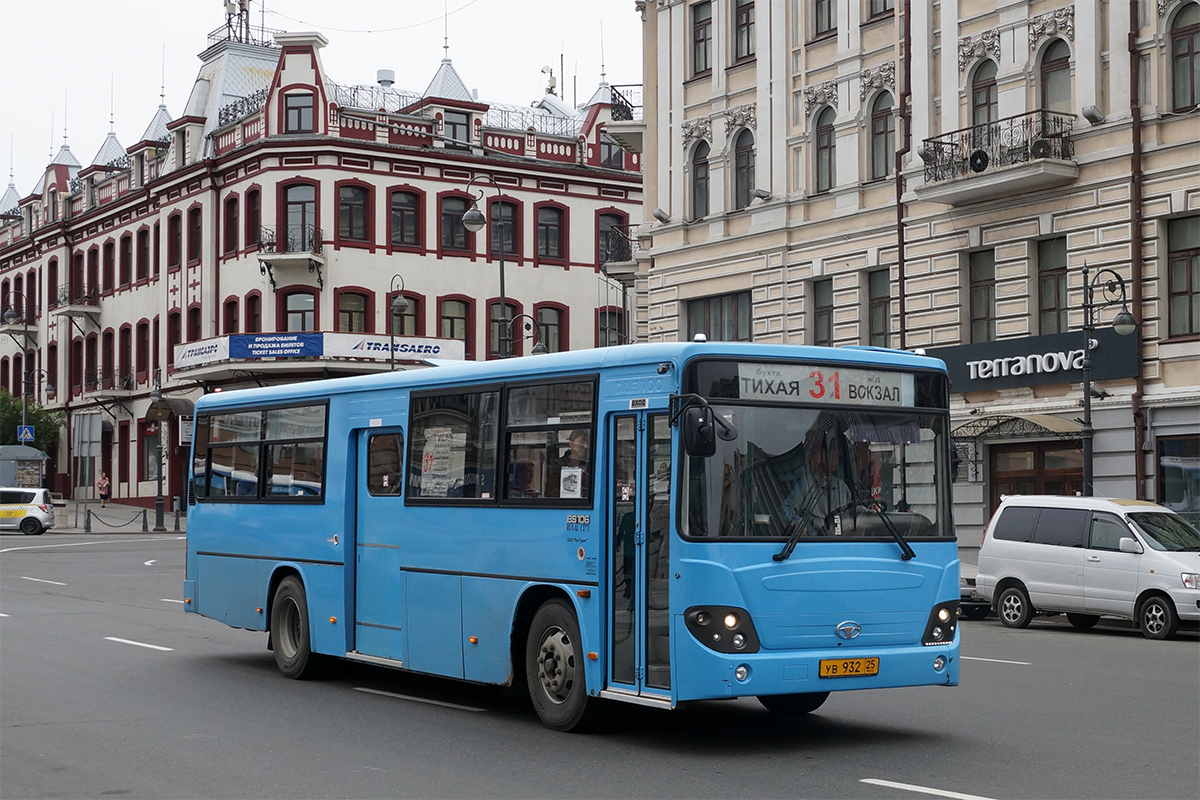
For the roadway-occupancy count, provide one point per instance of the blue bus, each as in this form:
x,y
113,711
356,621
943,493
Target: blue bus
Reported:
x,y
652,523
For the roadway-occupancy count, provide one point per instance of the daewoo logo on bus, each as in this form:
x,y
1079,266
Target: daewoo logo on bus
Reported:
x,y
627,386
402,347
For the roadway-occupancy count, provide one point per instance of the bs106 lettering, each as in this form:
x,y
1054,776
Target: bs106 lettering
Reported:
x,y
579,519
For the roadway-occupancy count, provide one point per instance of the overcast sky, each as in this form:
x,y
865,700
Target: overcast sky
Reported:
x,y
66,58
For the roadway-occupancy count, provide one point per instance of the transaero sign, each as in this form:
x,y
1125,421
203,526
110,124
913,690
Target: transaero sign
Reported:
x,y
1034,360
314,345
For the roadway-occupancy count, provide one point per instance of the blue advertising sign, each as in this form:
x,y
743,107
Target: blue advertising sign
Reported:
x,y
276,345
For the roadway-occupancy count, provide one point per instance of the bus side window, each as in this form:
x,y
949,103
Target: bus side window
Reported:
x,y
383,463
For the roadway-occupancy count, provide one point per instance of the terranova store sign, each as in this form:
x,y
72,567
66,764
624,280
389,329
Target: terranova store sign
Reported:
x,y
314,345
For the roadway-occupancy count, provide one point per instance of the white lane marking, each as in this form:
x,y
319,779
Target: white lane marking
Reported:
x,y
908,787
83,544
137,644
151,561
3,615
39,580
997,661
417,699
169,600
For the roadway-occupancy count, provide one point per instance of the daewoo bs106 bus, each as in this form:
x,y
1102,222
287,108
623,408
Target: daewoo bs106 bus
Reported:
x,y
653,523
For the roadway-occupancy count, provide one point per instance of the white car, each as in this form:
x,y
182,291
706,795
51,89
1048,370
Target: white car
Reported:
x,y
1091,557
30,511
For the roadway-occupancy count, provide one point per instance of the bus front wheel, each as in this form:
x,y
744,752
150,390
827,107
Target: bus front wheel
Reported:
x,y
290,632
554,667
793,704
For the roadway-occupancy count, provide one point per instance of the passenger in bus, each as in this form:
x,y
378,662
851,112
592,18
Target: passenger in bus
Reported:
x,y
568,476
821,495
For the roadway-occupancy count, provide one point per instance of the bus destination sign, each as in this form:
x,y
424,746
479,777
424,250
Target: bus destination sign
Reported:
x,y
824,383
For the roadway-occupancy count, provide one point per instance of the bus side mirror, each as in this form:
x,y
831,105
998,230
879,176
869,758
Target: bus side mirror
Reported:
x,y
699,436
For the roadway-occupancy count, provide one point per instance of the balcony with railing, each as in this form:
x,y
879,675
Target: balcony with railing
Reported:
x,y
115,385
618,253
627,125
1017,154
291,247
76,301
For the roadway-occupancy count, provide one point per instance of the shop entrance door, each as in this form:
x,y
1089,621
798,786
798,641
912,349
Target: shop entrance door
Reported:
x,y
1036,468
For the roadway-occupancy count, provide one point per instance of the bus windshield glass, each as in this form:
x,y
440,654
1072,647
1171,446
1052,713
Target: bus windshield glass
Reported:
x,y
823,470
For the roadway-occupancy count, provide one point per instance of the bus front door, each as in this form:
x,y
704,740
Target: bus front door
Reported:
x,y
379,606
639,544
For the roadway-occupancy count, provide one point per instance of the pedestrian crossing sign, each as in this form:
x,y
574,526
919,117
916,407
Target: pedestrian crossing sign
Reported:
x,y
25,433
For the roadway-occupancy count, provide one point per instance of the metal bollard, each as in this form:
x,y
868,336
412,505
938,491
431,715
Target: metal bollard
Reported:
x,y
87,520
177,517
145,525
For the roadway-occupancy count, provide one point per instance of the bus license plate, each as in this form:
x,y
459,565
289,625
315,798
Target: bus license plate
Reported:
x,y
848,667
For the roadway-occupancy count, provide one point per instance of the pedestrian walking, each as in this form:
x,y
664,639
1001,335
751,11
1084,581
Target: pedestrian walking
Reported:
x,y
103,488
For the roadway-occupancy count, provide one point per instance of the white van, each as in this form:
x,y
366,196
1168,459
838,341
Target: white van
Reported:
x,y
1091,557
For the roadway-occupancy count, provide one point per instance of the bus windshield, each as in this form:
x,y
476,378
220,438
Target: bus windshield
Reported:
x,y
821,473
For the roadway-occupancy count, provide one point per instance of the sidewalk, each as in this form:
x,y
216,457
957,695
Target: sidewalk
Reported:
x,y
113,518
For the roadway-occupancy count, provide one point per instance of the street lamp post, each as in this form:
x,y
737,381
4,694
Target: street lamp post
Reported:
x,y
531,329
10,316
155,400
1113,287
474,221
399,306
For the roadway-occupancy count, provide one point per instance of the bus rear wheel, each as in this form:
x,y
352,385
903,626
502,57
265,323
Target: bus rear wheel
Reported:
x,y
289,630
793,704
554,667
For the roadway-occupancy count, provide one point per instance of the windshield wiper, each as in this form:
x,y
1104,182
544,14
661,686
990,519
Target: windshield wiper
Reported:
x,y
797,528
906,552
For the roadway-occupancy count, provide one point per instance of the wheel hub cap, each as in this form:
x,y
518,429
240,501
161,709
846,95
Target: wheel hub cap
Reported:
x,y
556,664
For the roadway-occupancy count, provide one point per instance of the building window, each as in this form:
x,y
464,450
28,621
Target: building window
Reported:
x,y
1178,478
174,241
109,274
125,264
174,335
610,327
883,136
982,268
743,169
552,329
298,113
408,322
230,324
985,103
455,322
300,206
353,204
142,362
299,312
743,29
457,124
611,154
405,230
195,232
143,255
352,313
826,142
503,228
725,318
823,312
879,8
1056,77
193,324
500,329
1183,279
701,39
1052,285
1185,58
611,242
253,217
454,233
700,181
125,358
824,19
156,250
879,321
550,232
253,314
231,225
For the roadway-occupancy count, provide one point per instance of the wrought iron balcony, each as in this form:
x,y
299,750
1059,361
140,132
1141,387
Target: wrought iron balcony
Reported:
x,y
627,126
295,239
69,295
617,253
1009,156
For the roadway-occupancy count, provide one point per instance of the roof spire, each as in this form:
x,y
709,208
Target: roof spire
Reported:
x,y
446,30
602,76
111,102
162,95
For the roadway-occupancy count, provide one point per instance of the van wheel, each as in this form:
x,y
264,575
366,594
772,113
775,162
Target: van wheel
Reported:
x,y
554,667
1157,617
31,527
289,630
1013,608
793,704
1083,622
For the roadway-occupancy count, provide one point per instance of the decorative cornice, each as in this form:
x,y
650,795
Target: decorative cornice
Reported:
x,y
1060,20
820,95
700,128
973,47
881,77
741,116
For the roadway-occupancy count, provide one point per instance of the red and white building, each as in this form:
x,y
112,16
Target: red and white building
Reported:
x,y
262,236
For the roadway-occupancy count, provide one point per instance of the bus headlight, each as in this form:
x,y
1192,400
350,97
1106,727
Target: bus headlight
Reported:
x,y
943,622
733,634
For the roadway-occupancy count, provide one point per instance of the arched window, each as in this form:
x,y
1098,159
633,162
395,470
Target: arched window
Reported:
x,y
353,213
883,136
253,313
454,233
195,235
143,350
125,358
406,231
299,312
231,225
502,339
552,328
1185,58
985,106
826,142
352,312
743,169
1056,77
700,181
108,273
125,265
193,324
230,323
410,321
611,243
300,207
455,322
503,228
551,239
253,217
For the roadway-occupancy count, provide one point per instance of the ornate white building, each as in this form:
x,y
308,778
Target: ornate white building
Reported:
x,y
264,234
1032,138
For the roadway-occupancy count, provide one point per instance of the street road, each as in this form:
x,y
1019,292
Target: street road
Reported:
x,y
108,689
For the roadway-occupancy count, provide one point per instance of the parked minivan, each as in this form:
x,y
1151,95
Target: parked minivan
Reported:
x,y
1091,557
30,511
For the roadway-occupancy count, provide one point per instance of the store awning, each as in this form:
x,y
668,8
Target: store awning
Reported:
x,y
166,407
1015,426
